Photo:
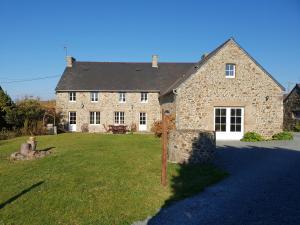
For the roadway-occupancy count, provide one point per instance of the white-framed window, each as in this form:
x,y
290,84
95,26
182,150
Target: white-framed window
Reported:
x,y
230,70
94,96
72,96
220,119
72,117
119,117
144,97
143,118
122,97
94,118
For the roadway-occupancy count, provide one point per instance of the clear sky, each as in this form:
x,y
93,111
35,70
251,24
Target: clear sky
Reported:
x,y
33,35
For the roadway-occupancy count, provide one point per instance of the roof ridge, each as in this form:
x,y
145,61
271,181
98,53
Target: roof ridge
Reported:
x,y
133,62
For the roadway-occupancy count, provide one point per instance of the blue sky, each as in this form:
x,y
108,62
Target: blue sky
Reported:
x,y
33,35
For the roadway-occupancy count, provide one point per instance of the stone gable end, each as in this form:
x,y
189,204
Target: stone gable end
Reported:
x,y
251,89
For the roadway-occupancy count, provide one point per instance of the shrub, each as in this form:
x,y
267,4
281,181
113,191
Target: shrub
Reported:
x,y
157,125
297,127
252,137
133,128
8,134
283,136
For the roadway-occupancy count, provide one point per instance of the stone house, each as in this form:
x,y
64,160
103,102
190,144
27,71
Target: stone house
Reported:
x,y
291,105
227,91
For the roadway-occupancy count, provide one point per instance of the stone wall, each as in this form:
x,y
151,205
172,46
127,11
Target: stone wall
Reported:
x,y
291,104
107,104
251,89
191,146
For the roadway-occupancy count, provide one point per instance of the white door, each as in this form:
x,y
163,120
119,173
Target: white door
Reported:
x,y
143,121
229,123
72,121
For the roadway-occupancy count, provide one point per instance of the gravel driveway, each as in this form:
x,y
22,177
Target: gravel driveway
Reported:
x,y
263,188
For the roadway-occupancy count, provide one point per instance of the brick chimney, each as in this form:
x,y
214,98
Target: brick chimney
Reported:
x,y
70,60
155,61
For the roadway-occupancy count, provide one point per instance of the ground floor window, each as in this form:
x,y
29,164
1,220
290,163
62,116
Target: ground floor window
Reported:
x,y
296,114
94,117
220,119
119,117
72,117
143,118
235,120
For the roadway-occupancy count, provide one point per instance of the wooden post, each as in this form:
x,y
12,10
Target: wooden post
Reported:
x,y
164,150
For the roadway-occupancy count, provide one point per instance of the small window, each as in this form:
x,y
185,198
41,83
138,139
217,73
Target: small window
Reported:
x,y
94,118
230,70
94,96
122,98
119,117
144,97
72,96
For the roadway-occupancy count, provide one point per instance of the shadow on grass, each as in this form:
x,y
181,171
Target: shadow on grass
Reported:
x,y
2,205
45,149
192,177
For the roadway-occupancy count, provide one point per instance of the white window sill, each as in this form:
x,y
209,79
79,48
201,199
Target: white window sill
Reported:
x,y
94,101
230,77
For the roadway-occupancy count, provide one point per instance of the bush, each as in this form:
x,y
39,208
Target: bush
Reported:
x,y
283,136
297,127
8,134
157,125
252,137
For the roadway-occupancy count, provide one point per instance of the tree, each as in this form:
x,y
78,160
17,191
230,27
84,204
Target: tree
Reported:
x,y
27,115
6,104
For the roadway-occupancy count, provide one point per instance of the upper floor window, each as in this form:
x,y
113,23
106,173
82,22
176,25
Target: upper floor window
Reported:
x,y
144,97
119,117
230,70
94,96
122,97
72,96
94,118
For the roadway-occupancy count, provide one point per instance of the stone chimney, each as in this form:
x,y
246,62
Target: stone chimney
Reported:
x,y
155,61
70,60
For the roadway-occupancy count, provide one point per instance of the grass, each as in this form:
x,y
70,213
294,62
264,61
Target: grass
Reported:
x,y
93,179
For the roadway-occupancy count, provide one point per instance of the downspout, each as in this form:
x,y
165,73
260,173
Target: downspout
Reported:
x,y
175,102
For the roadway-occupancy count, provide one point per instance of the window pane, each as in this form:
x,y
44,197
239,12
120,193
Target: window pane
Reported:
x,y
232,127
223,127
218,119
97,117
232,119
238,120
238,128
223,119
223,112
217,127
218,112
238,112
91,117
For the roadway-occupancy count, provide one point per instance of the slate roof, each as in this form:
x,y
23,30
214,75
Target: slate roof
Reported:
x,y
286,96
127,76
119,76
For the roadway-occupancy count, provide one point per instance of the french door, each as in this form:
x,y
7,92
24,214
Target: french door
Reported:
x,y
72,121
143,121
229,123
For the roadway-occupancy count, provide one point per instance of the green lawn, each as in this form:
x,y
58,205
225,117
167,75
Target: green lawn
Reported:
x,y
92,179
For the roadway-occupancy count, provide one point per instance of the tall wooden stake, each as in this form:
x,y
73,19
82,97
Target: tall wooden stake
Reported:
x,y
164,151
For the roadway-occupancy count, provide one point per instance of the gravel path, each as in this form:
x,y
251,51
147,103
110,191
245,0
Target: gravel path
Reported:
x,y
263,188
